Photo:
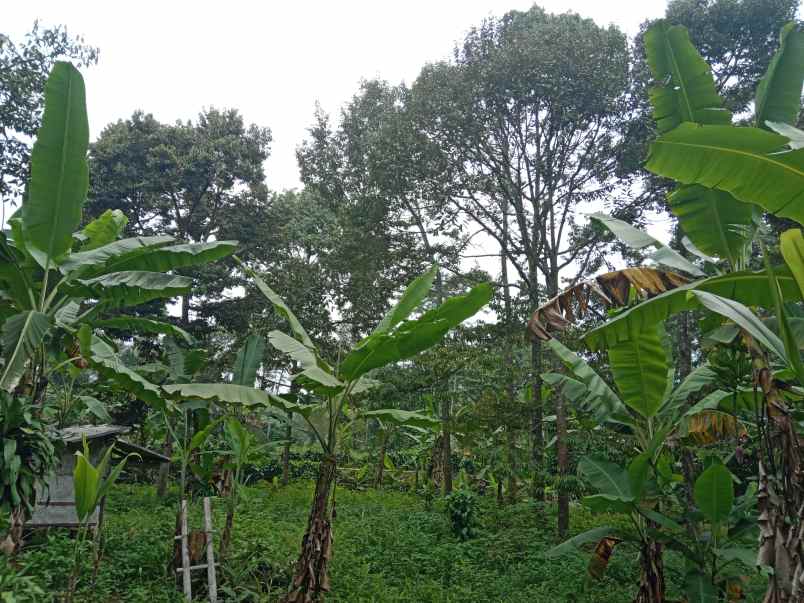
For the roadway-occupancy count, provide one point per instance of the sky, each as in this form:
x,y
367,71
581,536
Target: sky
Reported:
x,y
272,60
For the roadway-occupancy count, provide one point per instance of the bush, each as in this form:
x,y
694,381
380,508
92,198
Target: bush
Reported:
x,y
462,511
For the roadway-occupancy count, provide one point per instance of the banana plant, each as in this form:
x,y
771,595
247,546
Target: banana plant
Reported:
x,y
725,173
55,276
656,414
396,337
57,280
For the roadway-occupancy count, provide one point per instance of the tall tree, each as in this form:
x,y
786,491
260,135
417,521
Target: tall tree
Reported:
x,y
527,120
197,181
24,67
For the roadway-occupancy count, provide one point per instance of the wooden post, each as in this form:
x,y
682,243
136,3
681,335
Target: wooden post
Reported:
x,y
185,553
213,585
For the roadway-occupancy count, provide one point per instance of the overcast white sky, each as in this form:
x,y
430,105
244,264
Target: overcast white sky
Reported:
x,y
271,60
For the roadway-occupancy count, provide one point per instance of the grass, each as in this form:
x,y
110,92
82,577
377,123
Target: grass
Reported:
x,y
388,548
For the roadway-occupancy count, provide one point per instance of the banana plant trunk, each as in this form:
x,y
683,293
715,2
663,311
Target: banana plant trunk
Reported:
x,y
286,451
311,579
780,498
381,461
651,581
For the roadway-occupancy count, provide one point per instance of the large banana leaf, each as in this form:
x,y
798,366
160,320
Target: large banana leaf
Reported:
x,y
230,393
144,325
779,91
176,256
637,239
131,288
708,217
687,91
609,403
411,299
714,493
313,367
59,172
248,360
750,288
413,336
639,366
402,417
100,259
102,230
749,163
22,334
106,361
606,477
792,246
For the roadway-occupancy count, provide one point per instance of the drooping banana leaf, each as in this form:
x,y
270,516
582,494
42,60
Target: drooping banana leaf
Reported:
x,y
22,334
611,405
229,393
104,359
131,288
100,259
637,239
183,255
144,325
59,171
748,287
402,417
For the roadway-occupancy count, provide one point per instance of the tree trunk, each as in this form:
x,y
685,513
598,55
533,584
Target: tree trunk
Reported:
x,y
537,413
164,468
446,444
311,578
563,465
651,581
512,486
185,310
286,451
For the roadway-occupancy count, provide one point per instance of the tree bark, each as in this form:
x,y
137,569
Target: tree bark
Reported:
x,y
164,468
311,579
446,444
512,485
563,465
286,451
537,414
226,536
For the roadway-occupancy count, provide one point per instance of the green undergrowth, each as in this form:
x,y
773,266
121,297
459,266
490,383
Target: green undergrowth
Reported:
x,y
388,547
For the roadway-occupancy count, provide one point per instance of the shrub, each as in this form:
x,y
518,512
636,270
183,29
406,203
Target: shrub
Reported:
x,y
462,511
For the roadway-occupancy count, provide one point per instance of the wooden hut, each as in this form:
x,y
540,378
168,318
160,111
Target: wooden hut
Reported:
x,y
56,506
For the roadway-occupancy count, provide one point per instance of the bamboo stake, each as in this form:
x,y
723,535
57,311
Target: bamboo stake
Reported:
x,y
185,554
213,585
